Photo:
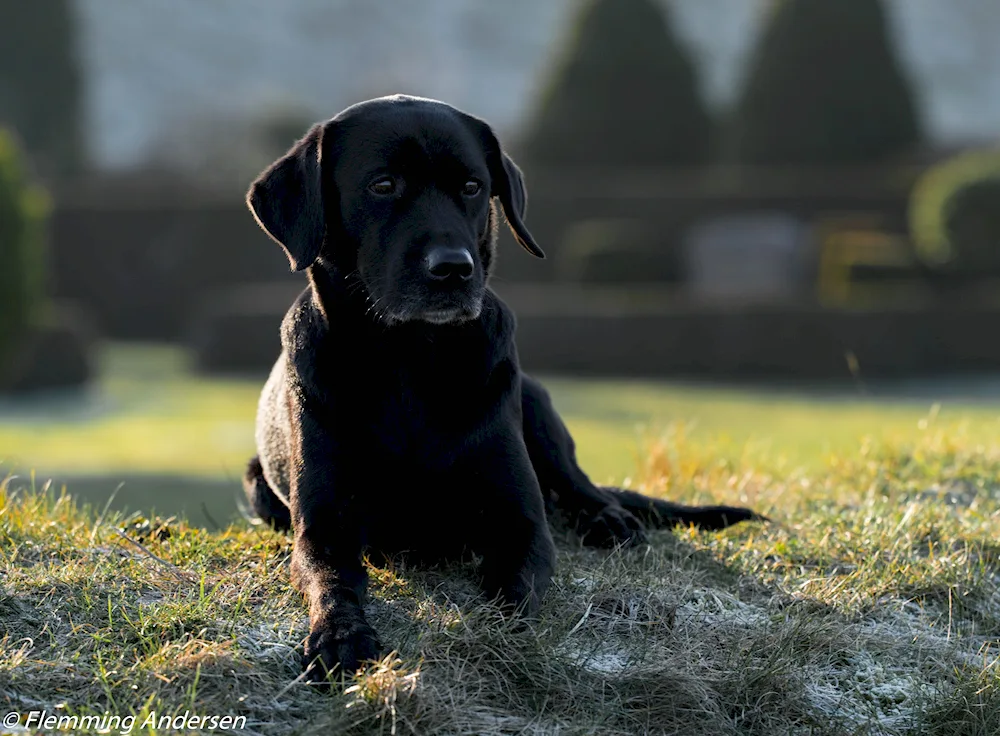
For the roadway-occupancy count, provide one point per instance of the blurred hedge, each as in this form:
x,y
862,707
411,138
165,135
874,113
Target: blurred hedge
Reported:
x,y
623,92
955,214
824,87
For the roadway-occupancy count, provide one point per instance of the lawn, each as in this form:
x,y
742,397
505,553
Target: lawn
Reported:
x,y
870,605
168,439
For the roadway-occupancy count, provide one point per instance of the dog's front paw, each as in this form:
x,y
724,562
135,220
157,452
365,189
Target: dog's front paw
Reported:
x,y
610,526
339,650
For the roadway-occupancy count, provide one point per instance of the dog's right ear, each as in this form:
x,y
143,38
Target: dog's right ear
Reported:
x,y
287,200
507,183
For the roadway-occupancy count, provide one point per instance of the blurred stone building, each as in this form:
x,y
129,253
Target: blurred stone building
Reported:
x,y
190,84
668,272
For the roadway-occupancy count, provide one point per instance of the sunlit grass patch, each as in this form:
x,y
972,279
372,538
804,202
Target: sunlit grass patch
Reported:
x,y
146,413
150,413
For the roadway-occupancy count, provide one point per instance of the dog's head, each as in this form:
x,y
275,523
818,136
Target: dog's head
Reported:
x,y
396,193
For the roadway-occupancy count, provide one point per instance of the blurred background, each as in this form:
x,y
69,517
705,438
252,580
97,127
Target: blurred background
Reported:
x,y
771,222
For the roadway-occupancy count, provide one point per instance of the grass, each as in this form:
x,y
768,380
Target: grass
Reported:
x,y
870,606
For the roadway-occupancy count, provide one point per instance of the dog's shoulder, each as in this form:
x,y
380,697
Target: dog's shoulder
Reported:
x,y
303,326
305,341
501,324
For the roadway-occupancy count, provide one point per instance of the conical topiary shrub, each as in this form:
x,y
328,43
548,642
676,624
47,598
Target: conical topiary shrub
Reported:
x,y
41,92
623,93
824,87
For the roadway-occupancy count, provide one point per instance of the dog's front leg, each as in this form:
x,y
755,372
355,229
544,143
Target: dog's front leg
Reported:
x,y
333,579
595,513
327,565
602,516
513,534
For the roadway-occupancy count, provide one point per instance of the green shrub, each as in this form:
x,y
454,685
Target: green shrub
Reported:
x,y
623,93
824,87
972,223
23,210
40,82
955,214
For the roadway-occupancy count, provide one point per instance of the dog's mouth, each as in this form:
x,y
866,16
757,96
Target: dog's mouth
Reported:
x,y
418,310
448,316
419,302
451,314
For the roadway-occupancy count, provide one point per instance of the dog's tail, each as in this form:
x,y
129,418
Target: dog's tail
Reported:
x,y
657,513
263,500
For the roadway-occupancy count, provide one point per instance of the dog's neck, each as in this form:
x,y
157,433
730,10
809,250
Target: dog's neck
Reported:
x,y
333,286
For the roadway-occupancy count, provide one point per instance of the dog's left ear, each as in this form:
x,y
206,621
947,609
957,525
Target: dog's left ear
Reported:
x,y
287,200
507,186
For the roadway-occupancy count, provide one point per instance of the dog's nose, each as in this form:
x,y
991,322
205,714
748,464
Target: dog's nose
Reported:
x,y
449,263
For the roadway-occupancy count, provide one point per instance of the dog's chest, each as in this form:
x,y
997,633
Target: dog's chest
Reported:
x,y
415,418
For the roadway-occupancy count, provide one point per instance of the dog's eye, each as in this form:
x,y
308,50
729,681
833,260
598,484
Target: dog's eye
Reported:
x,y
385,185
471,188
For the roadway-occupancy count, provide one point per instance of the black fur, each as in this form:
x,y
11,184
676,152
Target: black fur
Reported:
x,y
396,419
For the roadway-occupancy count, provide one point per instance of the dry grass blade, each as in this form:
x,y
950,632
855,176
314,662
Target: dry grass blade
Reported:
x,y
174,570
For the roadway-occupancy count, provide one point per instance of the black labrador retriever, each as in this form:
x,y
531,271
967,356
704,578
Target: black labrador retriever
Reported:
x,y
396,419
